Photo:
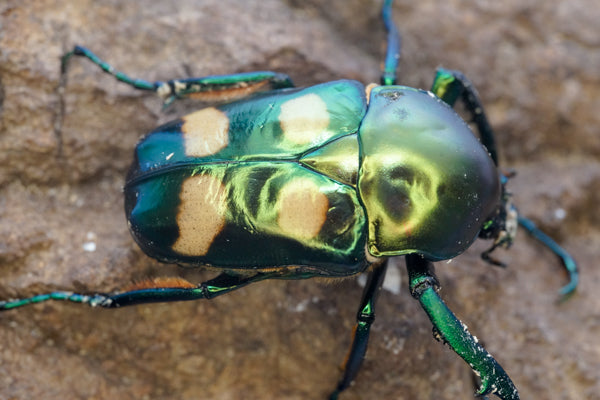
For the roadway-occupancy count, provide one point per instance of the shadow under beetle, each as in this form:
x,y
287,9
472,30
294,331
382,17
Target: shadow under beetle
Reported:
x,y
325,181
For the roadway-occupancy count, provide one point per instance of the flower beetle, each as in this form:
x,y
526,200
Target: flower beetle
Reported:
x,y
326,181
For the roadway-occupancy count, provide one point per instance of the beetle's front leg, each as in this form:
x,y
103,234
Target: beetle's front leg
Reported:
x,y
454,333
207,88
364,319
567,260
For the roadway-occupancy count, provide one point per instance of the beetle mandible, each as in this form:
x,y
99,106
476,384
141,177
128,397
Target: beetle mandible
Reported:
x,y
326,181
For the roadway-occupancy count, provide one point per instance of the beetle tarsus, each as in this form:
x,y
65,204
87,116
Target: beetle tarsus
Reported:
x,y
486,256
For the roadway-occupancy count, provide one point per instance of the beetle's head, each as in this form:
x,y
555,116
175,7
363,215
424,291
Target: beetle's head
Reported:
x,y
501,226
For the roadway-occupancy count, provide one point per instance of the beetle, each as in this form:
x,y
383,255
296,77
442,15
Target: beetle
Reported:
x,y
330,179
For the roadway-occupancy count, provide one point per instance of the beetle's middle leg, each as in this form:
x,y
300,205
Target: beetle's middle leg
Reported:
x,y
208,88
364,319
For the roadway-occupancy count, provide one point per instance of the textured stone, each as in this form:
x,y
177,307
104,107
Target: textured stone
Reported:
x,y
536,67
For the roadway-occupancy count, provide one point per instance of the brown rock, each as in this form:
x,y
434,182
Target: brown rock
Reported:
x,y
536,67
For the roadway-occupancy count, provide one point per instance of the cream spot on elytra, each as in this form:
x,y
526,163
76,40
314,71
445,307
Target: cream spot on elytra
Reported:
x,y
302,209
201,214
304,119
205,132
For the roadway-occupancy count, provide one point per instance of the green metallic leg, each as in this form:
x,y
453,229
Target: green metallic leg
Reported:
x,y
567,260
392,54
223,283
208,88
364,319
451,85
453,332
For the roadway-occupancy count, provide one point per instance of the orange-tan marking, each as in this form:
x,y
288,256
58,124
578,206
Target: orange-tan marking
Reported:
x,y
201,214
161,282
368,89
205,132
304,119
244,89
302,209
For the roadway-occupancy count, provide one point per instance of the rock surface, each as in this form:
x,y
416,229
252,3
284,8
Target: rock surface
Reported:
x,y
536,67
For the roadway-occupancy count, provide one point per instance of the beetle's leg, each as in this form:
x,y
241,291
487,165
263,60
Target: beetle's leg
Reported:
x,y
207,88
392,54
567,260
450,85
364,319
454,333
152,292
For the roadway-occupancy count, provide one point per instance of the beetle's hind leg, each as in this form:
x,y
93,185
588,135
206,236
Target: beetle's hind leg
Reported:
x,y
454,333
207,88
360,337
151,291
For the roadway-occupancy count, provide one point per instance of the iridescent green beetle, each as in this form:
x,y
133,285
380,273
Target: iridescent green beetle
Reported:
x,y
315,178
326,181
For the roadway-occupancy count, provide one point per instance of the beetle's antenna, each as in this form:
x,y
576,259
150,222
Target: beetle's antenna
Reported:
x,y
392,55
